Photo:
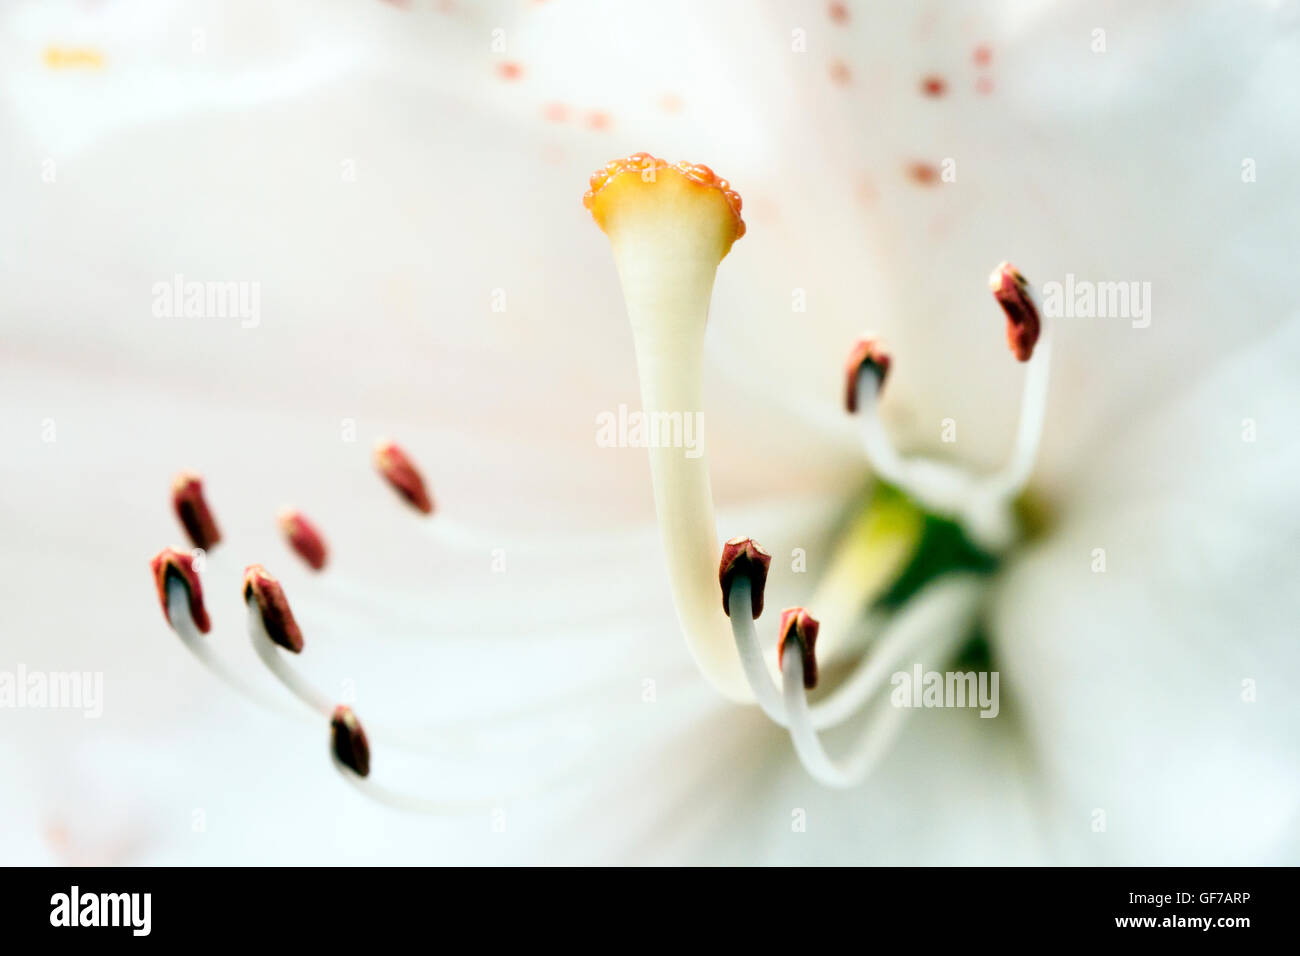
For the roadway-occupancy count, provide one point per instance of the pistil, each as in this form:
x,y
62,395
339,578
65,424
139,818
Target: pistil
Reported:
x,y
670,227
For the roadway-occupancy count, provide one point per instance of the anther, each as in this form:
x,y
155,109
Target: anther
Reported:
x,y
171,564
192,510
303,537
402,474
868,355
1012,292
348,741
277,617
800,626
743,556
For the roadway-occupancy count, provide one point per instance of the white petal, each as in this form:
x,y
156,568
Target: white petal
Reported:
x,y
179,770
1136,682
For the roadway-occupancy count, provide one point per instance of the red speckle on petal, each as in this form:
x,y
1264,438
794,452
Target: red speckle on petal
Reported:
x,y
671,103
840,73
838,13
598,120
510,70
984,85
982,55
923,174
556,112
933,85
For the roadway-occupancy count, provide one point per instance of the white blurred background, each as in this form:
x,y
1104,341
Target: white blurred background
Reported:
x,y
402,183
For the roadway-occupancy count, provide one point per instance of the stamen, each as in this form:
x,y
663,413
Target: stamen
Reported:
x,y
669,228
981,504
933,623
264,644
750,653
277,617
402,474
1012,292
882,725
868,357
192,509
174,567
801,627
925,624
350,754
942,614
742,557
1023,328
873,553
938,486
179,589
303,537
262,634
883,457
1014,475
904,633
348,741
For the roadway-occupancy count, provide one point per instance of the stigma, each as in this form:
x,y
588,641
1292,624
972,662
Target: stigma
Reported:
x,y
646,188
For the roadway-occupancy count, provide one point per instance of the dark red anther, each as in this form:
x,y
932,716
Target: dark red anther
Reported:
x,y
867,353
192,509
1023,326
348,741
402,475
172,564
265,591
303,537
799,625
744,556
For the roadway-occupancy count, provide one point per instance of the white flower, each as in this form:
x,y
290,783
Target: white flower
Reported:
x,y
402,186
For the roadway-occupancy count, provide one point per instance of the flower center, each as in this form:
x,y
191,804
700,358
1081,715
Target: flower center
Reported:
x,y
918,554
943,547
